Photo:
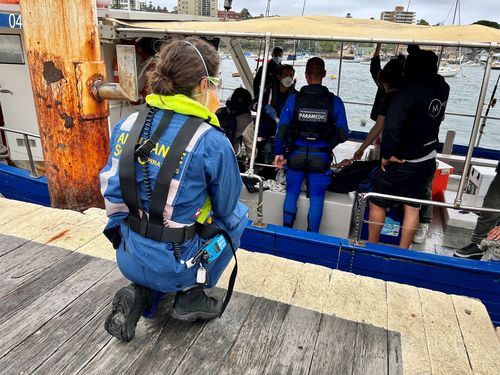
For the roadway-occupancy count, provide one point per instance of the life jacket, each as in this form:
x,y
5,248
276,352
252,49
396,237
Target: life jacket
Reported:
x,y
313,117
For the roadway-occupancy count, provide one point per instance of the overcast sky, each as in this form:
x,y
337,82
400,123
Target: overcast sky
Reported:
x,y
433,11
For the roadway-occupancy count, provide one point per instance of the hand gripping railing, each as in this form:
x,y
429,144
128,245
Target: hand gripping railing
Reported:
x,y
25,135
364,197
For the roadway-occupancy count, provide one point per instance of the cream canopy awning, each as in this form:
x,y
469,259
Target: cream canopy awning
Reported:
x,y
327,28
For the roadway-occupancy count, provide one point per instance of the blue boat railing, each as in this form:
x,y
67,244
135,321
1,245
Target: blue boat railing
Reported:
x,y
26,136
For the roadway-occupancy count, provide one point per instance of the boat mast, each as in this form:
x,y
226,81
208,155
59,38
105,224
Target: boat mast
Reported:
x,y
268,8
64,59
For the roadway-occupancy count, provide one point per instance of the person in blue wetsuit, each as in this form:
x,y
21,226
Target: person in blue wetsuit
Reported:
x,y
171,178
311,124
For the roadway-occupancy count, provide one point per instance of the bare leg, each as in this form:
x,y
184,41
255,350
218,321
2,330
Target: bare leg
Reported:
x,y
410,224
377,215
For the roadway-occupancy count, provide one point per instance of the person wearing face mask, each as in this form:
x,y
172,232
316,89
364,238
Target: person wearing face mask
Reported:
x,y
171,190
311,124
273,68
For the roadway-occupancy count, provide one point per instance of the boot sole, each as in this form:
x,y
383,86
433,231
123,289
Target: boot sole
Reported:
x,y
120,322
193,316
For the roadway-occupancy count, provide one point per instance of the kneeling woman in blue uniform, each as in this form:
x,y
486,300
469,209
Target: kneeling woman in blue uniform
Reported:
x,y
312,123
172,171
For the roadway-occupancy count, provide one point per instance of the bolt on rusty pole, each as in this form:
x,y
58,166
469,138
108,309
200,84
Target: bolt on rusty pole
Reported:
x,y
64,58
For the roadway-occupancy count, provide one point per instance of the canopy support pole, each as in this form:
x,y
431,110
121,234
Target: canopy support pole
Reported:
x,y
241,62
259,103
440,56
475,129
340,67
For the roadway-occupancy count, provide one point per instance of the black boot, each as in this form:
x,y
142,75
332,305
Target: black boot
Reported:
x,y
128,305
194,304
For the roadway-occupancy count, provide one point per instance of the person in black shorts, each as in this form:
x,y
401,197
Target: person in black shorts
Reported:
x,y
409,143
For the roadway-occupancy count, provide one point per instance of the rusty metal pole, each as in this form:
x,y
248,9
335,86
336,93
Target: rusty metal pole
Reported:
x,y
64,58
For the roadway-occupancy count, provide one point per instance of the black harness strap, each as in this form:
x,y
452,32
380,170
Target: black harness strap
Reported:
x,y
169,168
205,232
126,172
145,149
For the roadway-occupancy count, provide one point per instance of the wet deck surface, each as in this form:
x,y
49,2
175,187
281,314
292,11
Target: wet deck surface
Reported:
x,y
53,303
53,321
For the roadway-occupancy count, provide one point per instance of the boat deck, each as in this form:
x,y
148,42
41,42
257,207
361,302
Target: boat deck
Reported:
x,y
58,278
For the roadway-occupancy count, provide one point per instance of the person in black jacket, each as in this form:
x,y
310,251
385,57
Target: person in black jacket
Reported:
x,y
409,143
273,69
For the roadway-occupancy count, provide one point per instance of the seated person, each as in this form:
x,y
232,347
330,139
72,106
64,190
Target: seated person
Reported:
x,y
391,78
485,221
236,118
312,123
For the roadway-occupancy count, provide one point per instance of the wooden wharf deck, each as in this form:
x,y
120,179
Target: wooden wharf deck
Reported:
x,y
57,279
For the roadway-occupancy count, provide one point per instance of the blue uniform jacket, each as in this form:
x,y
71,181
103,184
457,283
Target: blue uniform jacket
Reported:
x,y
286,118
208,168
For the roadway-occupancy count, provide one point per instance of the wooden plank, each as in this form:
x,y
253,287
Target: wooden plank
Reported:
x,y
12,210
29,320
252,275
342,296
164,356
74,354
370,350
20,256
28,292
213,343
311,292
281,283
43,258
446,347
117,356
34,350
256,339
295,344
334,351
481,343
9,243
404,314
394,352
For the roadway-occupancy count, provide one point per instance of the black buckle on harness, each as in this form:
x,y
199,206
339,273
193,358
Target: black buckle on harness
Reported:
x,y
145,149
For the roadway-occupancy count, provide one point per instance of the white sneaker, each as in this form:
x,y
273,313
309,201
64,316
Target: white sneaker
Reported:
x,y
421,233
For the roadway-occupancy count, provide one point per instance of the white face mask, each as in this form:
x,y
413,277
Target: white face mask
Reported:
x,y
277,59
287,81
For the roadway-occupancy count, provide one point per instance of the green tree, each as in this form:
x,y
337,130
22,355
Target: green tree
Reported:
x,y
493,24
423,22
151,7
245,14
115,5
348,15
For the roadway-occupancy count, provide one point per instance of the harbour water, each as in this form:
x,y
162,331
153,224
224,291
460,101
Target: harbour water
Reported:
x,y
356,85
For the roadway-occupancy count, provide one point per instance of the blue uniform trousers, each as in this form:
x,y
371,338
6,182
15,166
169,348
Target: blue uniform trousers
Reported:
x,y
318,183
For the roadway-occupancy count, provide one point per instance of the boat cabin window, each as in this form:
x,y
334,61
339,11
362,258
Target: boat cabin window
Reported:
x,y
11,49
22,143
